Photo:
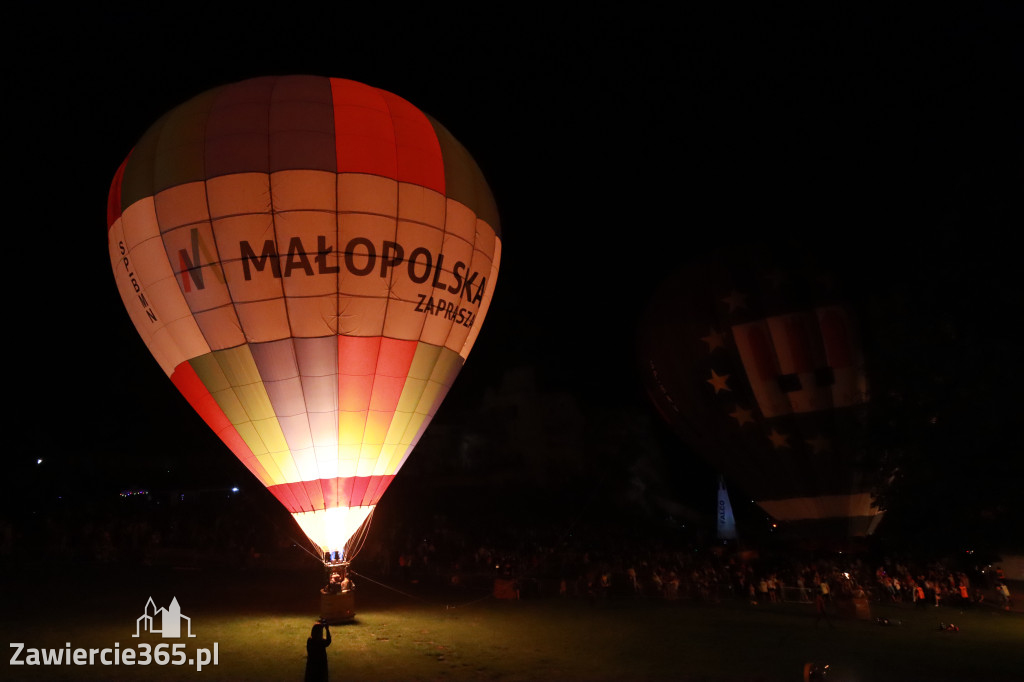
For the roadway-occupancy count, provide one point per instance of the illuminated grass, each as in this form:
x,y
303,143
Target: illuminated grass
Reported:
x,y
260,623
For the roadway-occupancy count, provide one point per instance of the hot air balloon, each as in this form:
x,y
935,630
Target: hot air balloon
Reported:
x,y
758,367
309,260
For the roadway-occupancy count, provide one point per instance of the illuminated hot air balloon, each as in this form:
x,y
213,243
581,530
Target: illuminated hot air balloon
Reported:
x,y
309,260
760,369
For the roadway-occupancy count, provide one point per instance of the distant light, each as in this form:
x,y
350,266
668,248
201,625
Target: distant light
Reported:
x,y
235,489
39,461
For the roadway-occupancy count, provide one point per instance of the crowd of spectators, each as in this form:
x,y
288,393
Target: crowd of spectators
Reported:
x,y
581,562
602,564
144,530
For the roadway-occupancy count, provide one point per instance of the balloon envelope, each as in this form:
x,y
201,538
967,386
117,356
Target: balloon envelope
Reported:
x,y
760,370
309,260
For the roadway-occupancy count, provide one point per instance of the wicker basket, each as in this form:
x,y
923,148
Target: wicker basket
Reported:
x,y
338,608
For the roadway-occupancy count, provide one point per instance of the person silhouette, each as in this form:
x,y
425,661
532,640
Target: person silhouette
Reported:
x,y
316,652
822,609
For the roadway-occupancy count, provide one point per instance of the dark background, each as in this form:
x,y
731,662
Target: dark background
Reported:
x,y
621,142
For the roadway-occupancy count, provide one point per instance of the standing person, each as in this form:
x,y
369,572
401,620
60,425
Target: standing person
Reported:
x,y
316,652
802,588
631,579
819,604
1004,595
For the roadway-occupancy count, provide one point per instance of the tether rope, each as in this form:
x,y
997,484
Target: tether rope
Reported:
x,y
419,599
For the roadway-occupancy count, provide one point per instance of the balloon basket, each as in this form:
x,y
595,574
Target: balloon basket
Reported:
x,y
337,598
338,608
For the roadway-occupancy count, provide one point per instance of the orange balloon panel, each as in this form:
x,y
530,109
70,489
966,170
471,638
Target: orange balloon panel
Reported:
x,y
309,260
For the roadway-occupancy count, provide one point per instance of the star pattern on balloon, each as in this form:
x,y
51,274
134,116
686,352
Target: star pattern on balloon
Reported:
x,y
742,416
718,381
715,340
783,359
779,440
735,300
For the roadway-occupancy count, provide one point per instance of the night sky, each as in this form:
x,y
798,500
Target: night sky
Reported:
x,y
620,144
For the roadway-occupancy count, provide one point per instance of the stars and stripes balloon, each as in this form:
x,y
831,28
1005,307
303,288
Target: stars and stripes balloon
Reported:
x,y
760,369
309,260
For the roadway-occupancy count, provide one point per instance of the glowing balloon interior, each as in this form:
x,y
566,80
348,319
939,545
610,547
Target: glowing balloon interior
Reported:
x,y
309,260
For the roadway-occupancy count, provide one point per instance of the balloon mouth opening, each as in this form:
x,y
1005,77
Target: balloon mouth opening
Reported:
x,y
337,533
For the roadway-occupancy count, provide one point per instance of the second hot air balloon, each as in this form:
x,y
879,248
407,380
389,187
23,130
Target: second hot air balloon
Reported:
x,y
758,366
309,260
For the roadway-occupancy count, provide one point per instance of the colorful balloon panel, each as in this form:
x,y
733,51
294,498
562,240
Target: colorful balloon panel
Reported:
x,y
760,369
309,260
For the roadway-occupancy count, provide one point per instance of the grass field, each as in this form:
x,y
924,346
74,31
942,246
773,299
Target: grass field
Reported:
x,y
260,621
